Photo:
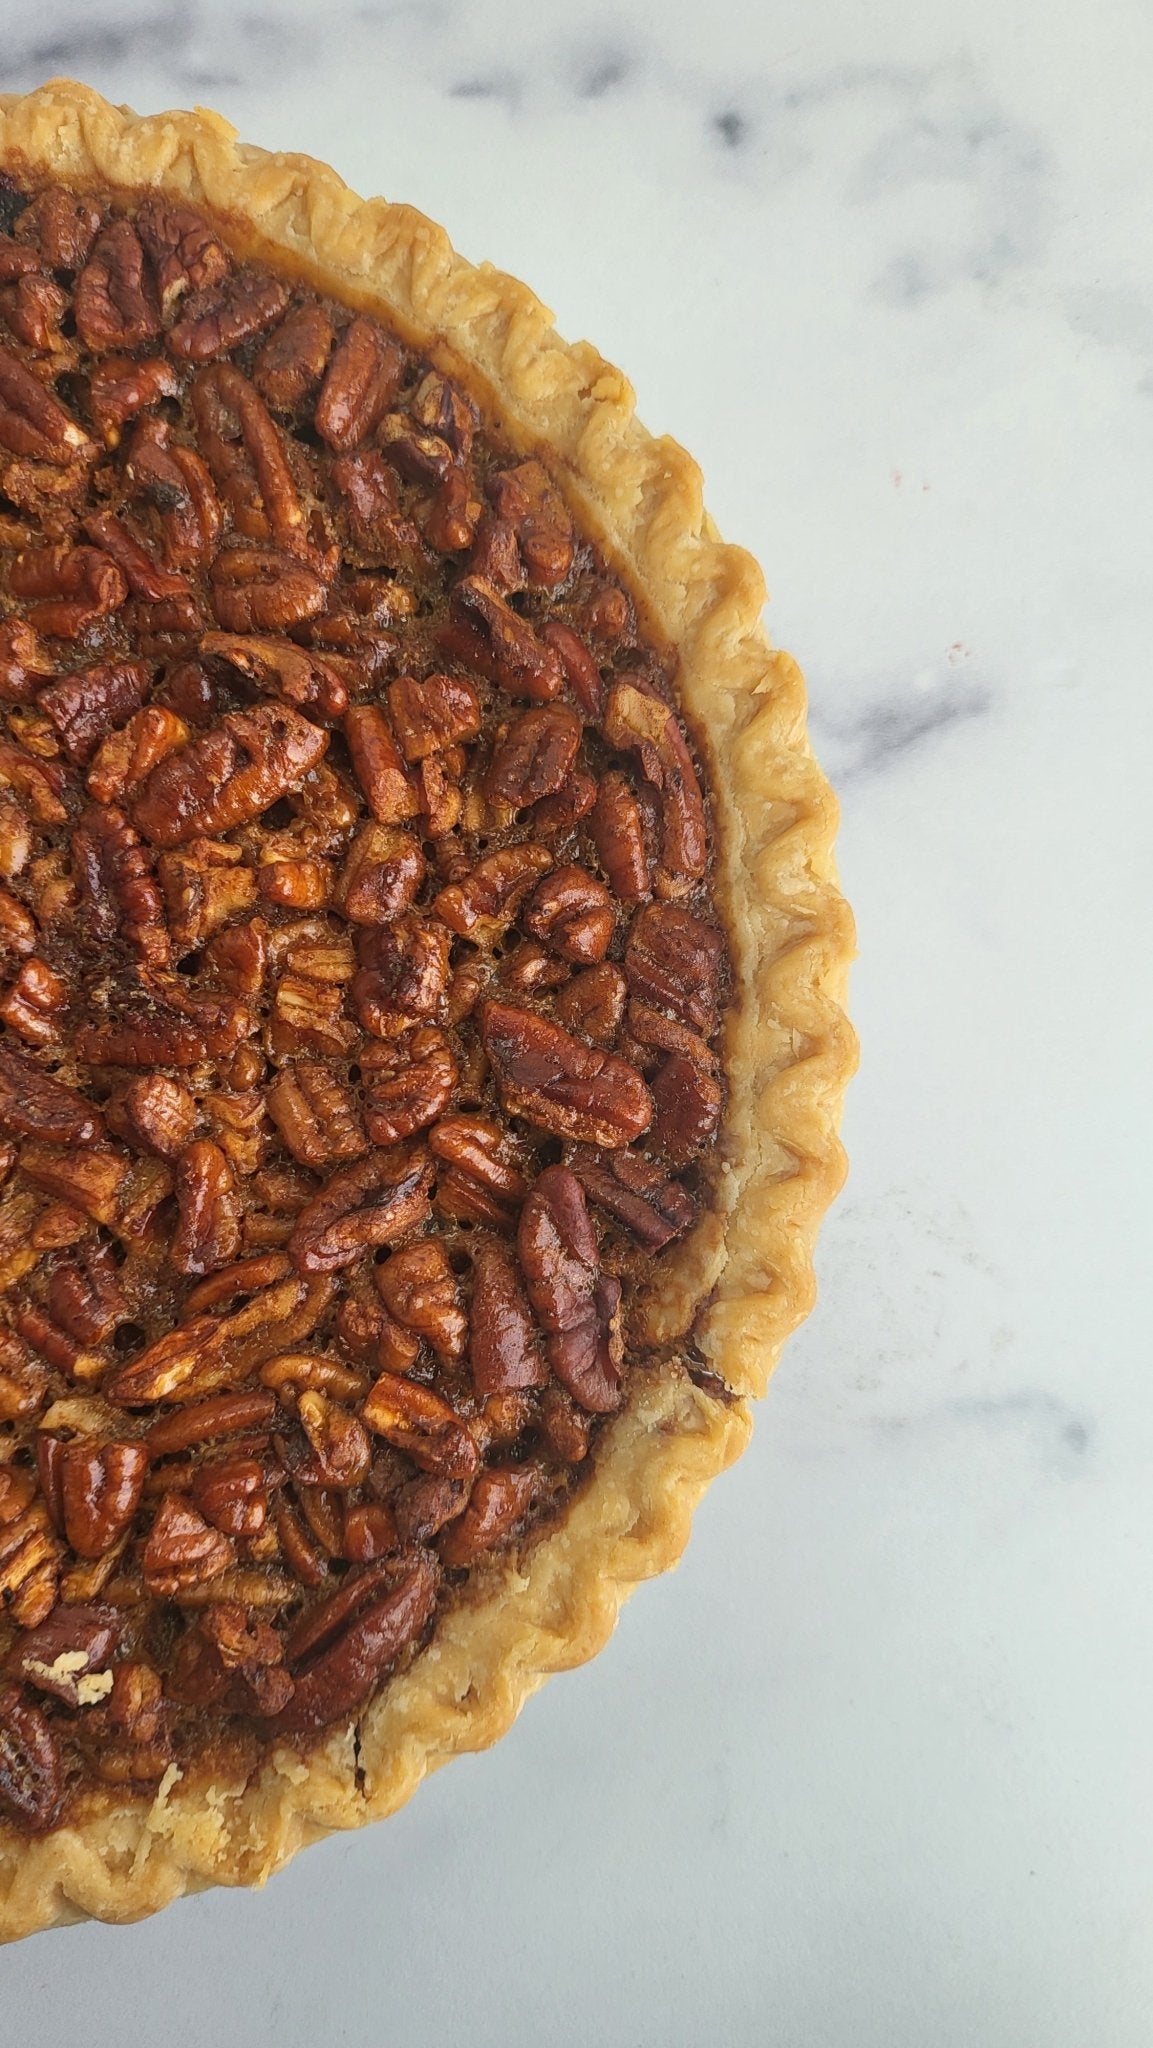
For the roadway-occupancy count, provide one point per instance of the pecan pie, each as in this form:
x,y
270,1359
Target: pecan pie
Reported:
x,y
420,1051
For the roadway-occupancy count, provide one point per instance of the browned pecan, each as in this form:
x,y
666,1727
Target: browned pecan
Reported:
x,y
39,784
360,383
231,1494
404,974
67,1655
422,457
122,386
85,705
15,837
117,888
409,1082
100,1490
689,1100
61,225
211,1352
208,1234
316,1115
478,1179
219,1415
229,775
32,309
504,1352
238,957
262,590
571,912
31,1769
561,1084
17,260
450,520
236,411
382,875
24,662
618,834
17,926
186,255
379,768
370,1532
636,1192
415,1420
205,885
282,670
73,586
373,1202
182,1549
432,713
175,480
348,1664
126,758
133,555
531,967
340,1446
422,1293
526,499
35,1104
673,961
105,1184
536,756
155,1113
575,1302
502,645
499,1502
32,420
114,299
32,1005
85,1296
23,1380
290,364
441,409
645,724
487,898
307,1012
224,314
593,1003
565,1429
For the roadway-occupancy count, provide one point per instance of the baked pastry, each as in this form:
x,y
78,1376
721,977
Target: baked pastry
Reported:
x,y
422,1048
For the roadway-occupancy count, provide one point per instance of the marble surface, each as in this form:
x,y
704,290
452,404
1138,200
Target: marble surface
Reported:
x,y
873,1769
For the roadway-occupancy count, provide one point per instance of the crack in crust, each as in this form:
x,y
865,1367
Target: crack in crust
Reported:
x,y
788,1049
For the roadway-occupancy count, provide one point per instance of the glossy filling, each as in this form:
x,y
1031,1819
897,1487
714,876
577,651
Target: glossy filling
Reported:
x,y
359,1000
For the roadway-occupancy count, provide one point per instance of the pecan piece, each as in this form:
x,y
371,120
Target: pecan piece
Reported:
x,y
645,724
143,574
155,1113
379,768
219,1415
619,837
576,1304
503,645
441,409
371,1203
628,1187
114,301
477,1178
32,1005
404,975
262,590
121,386
409,1081
360,383
348,1669
38,783
176,481
85,705
290,364
75,586
229,775
340,1447
282,670
36,1105
186,255
504,1351
415,1420
673,961
499,1502
182,1549
61,225
381,877
218,318
32,420
24,662
421,1292
536,756
208,1234
126,758
237,1119
232,1496
316,1115
31,1771
17,927
117,888
100,1490
210,1352
559,1083
526,499
33,308
67,1655
487,898
593,1003
688,1100
433,713
85,1296
571,912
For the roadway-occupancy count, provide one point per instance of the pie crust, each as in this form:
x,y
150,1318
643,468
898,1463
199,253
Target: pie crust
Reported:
x,y
789,1050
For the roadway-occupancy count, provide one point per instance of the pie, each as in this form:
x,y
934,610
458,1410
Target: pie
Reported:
x,y
422,1045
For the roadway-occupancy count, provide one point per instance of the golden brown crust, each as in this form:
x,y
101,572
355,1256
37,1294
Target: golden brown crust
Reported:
x,y
789,1049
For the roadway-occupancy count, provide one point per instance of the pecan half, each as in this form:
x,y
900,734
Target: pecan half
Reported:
x,y
374,1202
114,300
100,1490
381,877
182,1549
477,1177
418,1422
85,705
316,1115
499,1502
263,590
32,1005
420,1290
559,1083
575,1302
67,1655
85,1296
593,1003
360,383
117,888
526,499
61,225
504,1351
122,386
409,1083
208,1234
282,670
290,364
536,756
75,586
225,314
673,960
571,912
488,897
405,972
210,1352
503,645
646,725
229,775
434,713
349,1668
628,1187
36,1105
155,1113
379,768
186,255
31,1770
32,420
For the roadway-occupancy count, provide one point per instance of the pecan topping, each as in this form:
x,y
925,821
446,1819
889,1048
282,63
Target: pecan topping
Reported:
x,y
417,1421
503,645
674,961
209,1231
114,300
571,912
575,1302
374,1202
183,1550
67,1655
32,420
410,1082
359,385
229,776
347,1669
100,1489
31,1772
504,1347
561,1084
316,1115
536,756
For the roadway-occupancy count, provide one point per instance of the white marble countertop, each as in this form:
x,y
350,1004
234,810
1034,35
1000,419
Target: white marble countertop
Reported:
x,y
872,1770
